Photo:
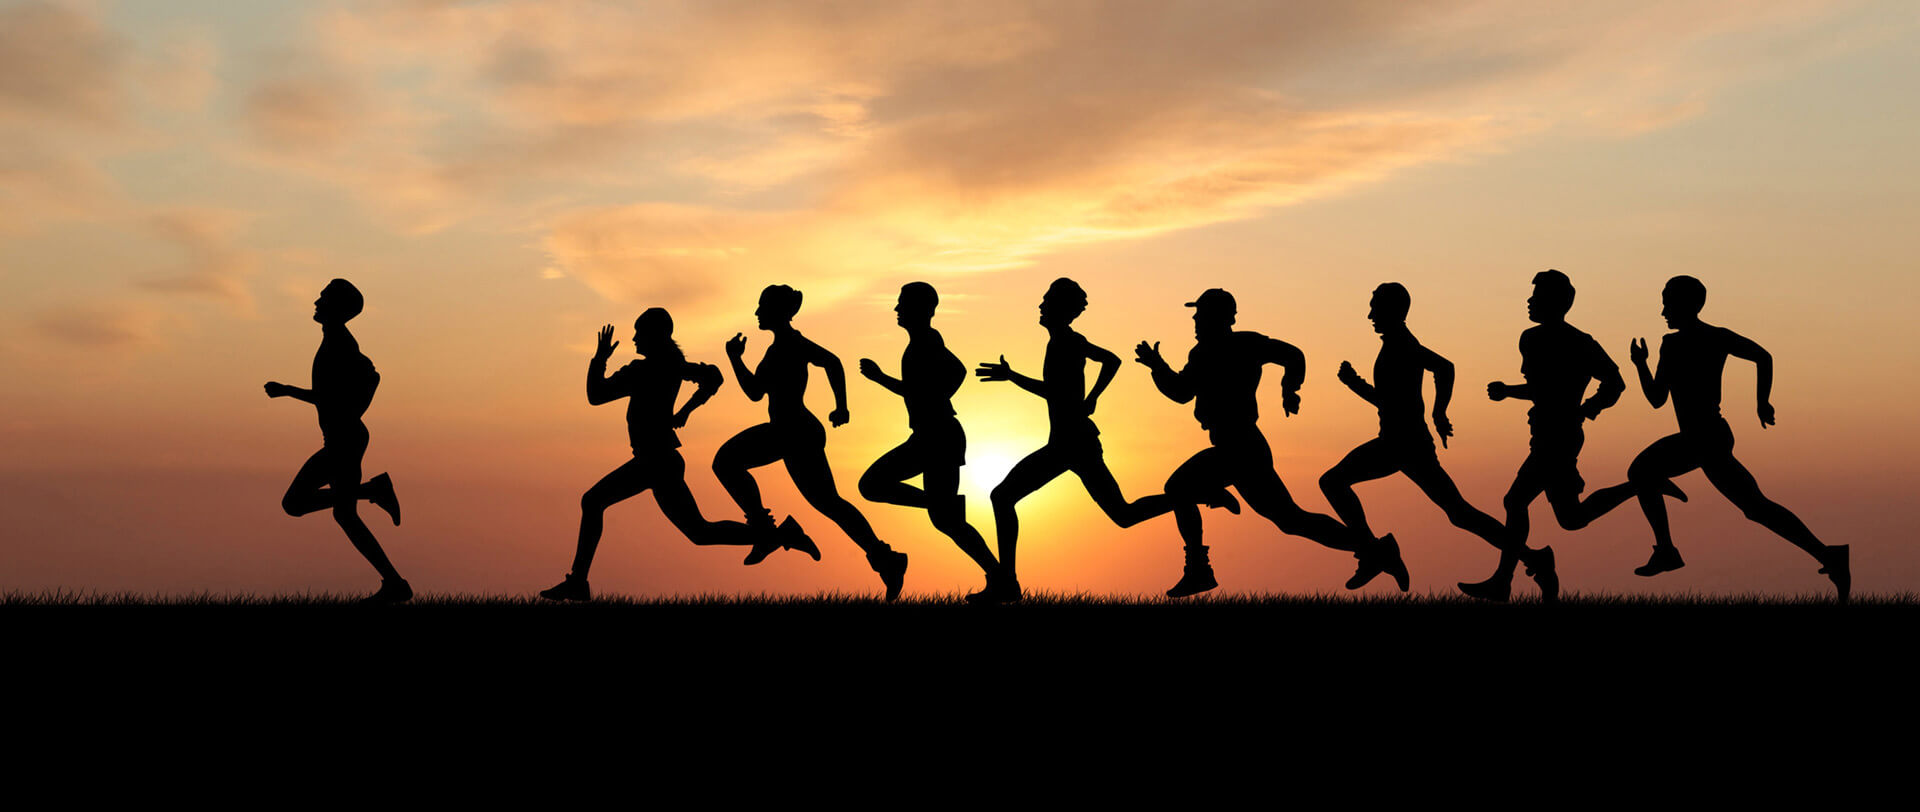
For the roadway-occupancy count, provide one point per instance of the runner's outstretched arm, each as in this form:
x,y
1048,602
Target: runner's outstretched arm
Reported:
x,y
599,388
999,371
1170,383
1356,383
874,373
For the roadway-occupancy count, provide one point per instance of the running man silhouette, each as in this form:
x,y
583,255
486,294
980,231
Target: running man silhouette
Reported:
x,y
929,375
1557,361
651,386
343,384
1404,445
1073,442
1221,376
1692,358
794,435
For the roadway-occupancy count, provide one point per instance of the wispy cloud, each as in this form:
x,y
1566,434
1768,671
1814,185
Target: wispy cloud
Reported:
x,y
212,265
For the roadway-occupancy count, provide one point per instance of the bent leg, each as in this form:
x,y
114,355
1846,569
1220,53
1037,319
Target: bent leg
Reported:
x,y
1668,457
1201,474
1099,482
308,493
677,504
1372,460
752,448
618,485
1268,496
344,487
884,481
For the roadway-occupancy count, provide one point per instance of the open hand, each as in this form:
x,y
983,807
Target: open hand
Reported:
x,y
1766,414
1149,355
736,345
1443,427
992,371
603,349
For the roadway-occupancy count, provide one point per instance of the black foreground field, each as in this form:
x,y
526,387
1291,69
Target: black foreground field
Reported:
x,y
1601,683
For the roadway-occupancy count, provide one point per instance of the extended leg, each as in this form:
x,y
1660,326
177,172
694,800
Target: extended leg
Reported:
x,y
1028,475
1439,487
618,485
948,510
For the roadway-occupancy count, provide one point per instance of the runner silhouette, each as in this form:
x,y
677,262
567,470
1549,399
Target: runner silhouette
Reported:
x,y
651,386
929,375
1073,442
343,384
1221,376
1692,359
1404,445
1557,361
794,435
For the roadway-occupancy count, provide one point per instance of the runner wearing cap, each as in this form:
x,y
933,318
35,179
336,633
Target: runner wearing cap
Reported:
x,y
1221,377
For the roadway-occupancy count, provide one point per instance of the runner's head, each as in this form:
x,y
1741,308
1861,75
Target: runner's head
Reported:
x,y
778,304
1552,297
339,302
1064,302
917,303
1389,306
653,333
1682,299
1213,313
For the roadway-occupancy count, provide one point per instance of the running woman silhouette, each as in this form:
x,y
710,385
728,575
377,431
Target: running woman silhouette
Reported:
x,y
1692,358
1073,442
1557,361
794,435
343,384
929,375
1220,378
651,386
1404,445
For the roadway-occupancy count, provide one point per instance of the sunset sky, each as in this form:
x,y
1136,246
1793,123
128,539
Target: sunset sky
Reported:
x,y
179,178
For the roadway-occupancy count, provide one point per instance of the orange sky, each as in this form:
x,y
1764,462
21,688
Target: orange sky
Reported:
x,y
178,180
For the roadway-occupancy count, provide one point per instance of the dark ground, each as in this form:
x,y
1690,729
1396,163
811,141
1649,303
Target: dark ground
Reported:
x,y
1636,684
